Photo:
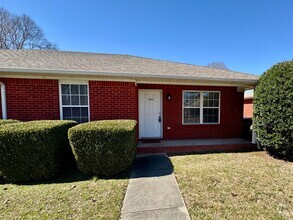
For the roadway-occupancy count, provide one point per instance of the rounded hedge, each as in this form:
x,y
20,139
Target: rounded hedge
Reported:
x,y
104,148
33,150
273,110
7,121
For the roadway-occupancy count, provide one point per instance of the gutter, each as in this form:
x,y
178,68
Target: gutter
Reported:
x,y
3,100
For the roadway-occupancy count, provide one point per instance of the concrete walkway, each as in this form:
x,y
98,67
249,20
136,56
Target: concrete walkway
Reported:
x,y
153,192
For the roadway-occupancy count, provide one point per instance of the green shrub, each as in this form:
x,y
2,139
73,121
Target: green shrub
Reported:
x,y
273,110
7,121
104,148
33,150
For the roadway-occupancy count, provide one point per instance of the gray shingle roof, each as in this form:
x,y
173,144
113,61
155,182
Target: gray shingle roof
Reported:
x,y
110,64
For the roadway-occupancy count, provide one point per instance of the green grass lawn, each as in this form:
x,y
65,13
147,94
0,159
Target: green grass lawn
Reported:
x,y
71,196
235,185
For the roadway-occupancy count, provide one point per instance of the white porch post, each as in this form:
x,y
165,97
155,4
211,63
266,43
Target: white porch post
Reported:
x,y
3,101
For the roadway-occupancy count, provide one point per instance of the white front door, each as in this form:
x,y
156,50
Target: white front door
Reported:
x,y
150,117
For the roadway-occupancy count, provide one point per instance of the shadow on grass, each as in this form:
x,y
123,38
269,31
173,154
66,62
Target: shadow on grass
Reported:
x,y
152,165
147,166
71,175
281,157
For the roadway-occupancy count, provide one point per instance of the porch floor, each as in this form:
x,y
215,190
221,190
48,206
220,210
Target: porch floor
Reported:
x,y
194,142
196,145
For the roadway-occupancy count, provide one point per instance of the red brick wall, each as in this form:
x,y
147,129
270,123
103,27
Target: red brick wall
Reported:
x,y
31,99
231,113
112,100
248,108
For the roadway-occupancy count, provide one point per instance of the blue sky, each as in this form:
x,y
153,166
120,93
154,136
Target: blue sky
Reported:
x,y
248,35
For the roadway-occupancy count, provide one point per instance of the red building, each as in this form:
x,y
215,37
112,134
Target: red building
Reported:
x,y
248,104
169,100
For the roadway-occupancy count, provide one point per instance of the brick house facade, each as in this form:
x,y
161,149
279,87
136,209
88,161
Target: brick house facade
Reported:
x,y
165,106
36,99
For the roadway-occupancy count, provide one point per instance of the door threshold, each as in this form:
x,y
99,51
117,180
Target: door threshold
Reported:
x,y
151,140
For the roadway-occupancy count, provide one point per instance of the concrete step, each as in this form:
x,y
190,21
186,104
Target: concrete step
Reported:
x,y
241,147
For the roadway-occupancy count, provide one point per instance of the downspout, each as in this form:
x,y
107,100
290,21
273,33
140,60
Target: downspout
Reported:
x,y
3,101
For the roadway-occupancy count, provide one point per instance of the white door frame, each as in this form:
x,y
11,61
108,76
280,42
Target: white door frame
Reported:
x,y
161,110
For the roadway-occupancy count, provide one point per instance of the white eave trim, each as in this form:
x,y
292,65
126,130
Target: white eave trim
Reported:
x,y
105,74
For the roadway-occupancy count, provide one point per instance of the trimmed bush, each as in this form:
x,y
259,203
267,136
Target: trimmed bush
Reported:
x,y
273,110
33,150
7,121
104,148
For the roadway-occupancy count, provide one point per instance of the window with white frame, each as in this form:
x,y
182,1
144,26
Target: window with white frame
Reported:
x,y
74,102
201,107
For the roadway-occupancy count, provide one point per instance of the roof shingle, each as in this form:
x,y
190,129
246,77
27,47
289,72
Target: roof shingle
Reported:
x,y
63,61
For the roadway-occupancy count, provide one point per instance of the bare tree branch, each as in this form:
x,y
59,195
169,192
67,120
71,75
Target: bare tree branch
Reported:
x,y
218,65
21,32
5,27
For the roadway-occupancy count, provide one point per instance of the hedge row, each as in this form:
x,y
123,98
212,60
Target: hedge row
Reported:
x,y
8,121
104,148
38,149
33,150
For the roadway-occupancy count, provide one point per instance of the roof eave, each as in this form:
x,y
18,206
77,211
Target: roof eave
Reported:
x,y
250,82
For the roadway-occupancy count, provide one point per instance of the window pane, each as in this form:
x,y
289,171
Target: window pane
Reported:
x,y
216,103
74,89
83,120
216,95
210,119
78,120
83,89
84,112
83,100
191,99
205,95
210,115
211,99
65,100
65,89
191,115
66,112
205,103
75,112
74,100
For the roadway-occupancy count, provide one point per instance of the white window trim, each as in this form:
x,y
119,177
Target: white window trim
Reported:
x,y
60,96
201,107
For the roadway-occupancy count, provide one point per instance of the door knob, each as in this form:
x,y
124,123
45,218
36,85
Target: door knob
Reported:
x,y
159,118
